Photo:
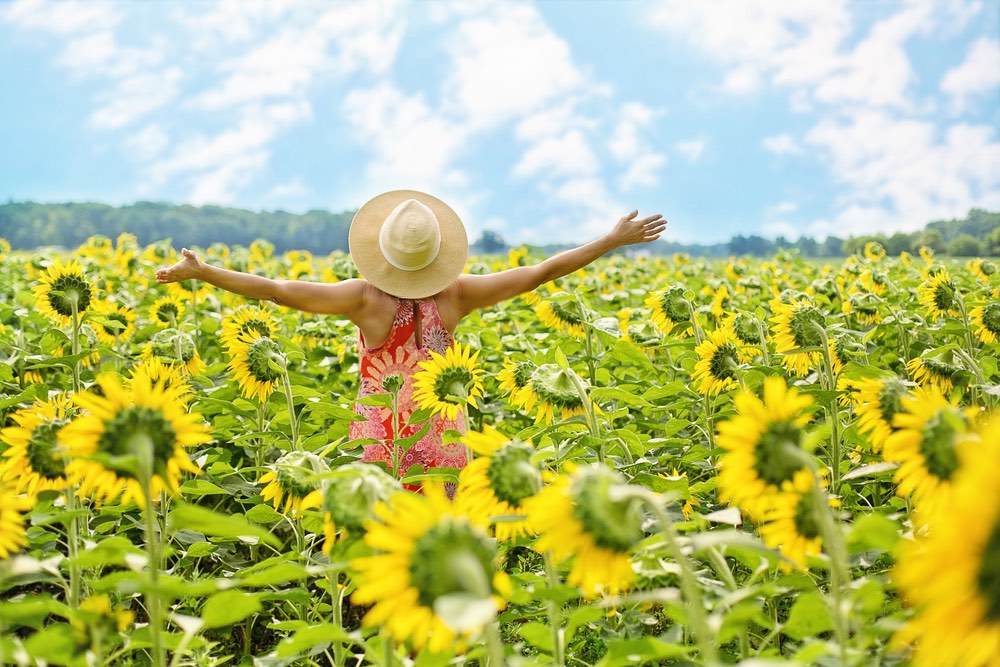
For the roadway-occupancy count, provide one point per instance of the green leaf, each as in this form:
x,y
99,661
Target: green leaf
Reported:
x,y
310,637
378,400
873,531
263,514
627,351
216,524
873,469
201,487
228,607
331,411
643,651
582,616
538,635
201,549
279,574
809,617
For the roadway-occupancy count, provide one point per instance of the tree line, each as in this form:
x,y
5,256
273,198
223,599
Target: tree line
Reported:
x,y
28,225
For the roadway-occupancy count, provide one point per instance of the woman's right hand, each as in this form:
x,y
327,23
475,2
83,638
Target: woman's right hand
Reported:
x,y
189,267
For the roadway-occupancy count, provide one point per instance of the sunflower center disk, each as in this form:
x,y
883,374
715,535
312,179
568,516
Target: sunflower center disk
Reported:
x,y
778,453
446,543
259,360
612,524
989,575
724,362
511,475
140,424
941,433
44,455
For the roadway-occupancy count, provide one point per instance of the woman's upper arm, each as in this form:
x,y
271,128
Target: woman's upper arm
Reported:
x,y
343,298
481,291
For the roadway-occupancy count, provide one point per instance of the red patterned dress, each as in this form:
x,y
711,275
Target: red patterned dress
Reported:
x,y
400,354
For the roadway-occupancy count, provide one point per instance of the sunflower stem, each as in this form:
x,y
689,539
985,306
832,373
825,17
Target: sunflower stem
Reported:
x,y
142,446
765,355
388,652
689,584
554,613
588,408
839,576
75,345
834,410
494,648
286,383
73,547
722,568
968,327
337,602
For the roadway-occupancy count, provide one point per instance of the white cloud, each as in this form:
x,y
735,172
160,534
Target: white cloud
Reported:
x,y
555,156
692,149
292,189
148,142
901,173
782,144
978,73
61,18
782,208
628,147
136,96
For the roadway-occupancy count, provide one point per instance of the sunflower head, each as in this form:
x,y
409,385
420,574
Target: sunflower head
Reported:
x,y
167,311
985,321
937,294
613,522
719,358
790,523
448,381
116,322
350,495
744,328
556,390
174,347
797,326
63,291
564,313
257,365
927,254
12,531
247,321
981,268
294,480
939,370
878,401
34,460
874,251
433,580
515,378
864,305
669,308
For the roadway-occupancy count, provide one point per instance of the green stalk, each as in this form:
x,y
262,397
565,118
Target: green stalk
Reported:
x,y
722,569
75,345
494,649
337,600
554,613
142,446
286,383
970,344
839,575
73,547
831,385
588,408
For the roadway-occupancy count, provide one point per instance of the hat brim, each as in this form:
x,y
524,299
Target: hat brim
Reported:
x,y
363,240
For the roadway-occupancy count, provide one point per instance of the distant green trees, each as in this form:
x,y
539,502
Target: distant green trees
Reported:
x,y
30,225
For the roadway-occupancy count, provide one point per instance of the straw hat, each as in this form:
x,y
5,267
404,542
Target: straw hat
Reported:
x,y
408,243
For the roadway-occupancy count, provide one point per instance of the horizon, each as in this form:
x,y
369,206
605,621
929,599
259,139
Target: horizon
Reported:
x,y
542,122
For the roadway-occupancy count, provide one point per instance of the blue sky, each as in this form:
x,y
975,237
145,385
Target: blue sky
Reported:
x,y
543,121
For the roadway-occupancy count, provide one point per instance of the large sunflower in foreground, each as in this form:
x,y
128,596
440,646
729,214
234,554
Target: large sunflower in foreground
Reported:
x,y
116,322
251,361
448,381
34,460
429,554
670,309
292,484
63,289
878,402
985,321
950,573
718,359
497,483
763,444
930,433
938,296
12,535
119,428
562,313
797,325
579,517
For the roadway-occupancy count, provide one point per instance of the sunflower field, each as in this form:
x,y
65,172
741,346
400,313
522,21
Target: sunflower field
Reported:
x,y
676,462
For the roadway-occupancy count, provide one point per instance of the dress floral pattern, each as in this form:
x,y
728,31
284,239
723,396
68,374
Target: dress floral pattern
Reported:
x,y
399,354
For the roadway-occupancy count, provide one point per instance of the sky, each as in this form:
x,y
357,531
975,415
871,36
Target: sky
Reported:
x,y
542,121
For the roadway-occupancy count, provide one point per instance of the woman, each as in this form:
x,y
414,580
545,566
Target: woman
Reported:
x,y
410,249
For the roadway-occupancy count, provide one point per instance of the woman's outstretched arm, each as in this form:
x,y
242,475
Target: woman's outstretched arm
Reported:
x,y
343,298
480,291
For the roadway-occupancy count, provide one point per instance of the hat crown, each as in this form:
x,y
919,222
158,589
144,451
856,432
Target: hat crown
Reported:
x,y
410,238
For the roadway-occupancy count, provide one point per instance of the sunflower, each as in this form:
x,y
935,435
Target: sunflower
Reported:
x,y
878,402
293,480
12,532
906,258
796,326
429,555
579,516
252,364
763,444
670,309
934,371
515,379
166,374
350,494
254,321
930,432
448,381
33,460
938,296
982,269
174,347
96,620
555,390
949,574
986,322
563,313
744,328
874,251
497,483
926,253
4,247
789,523
123,425
116,322
167,311
64,289
865,306
718,360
